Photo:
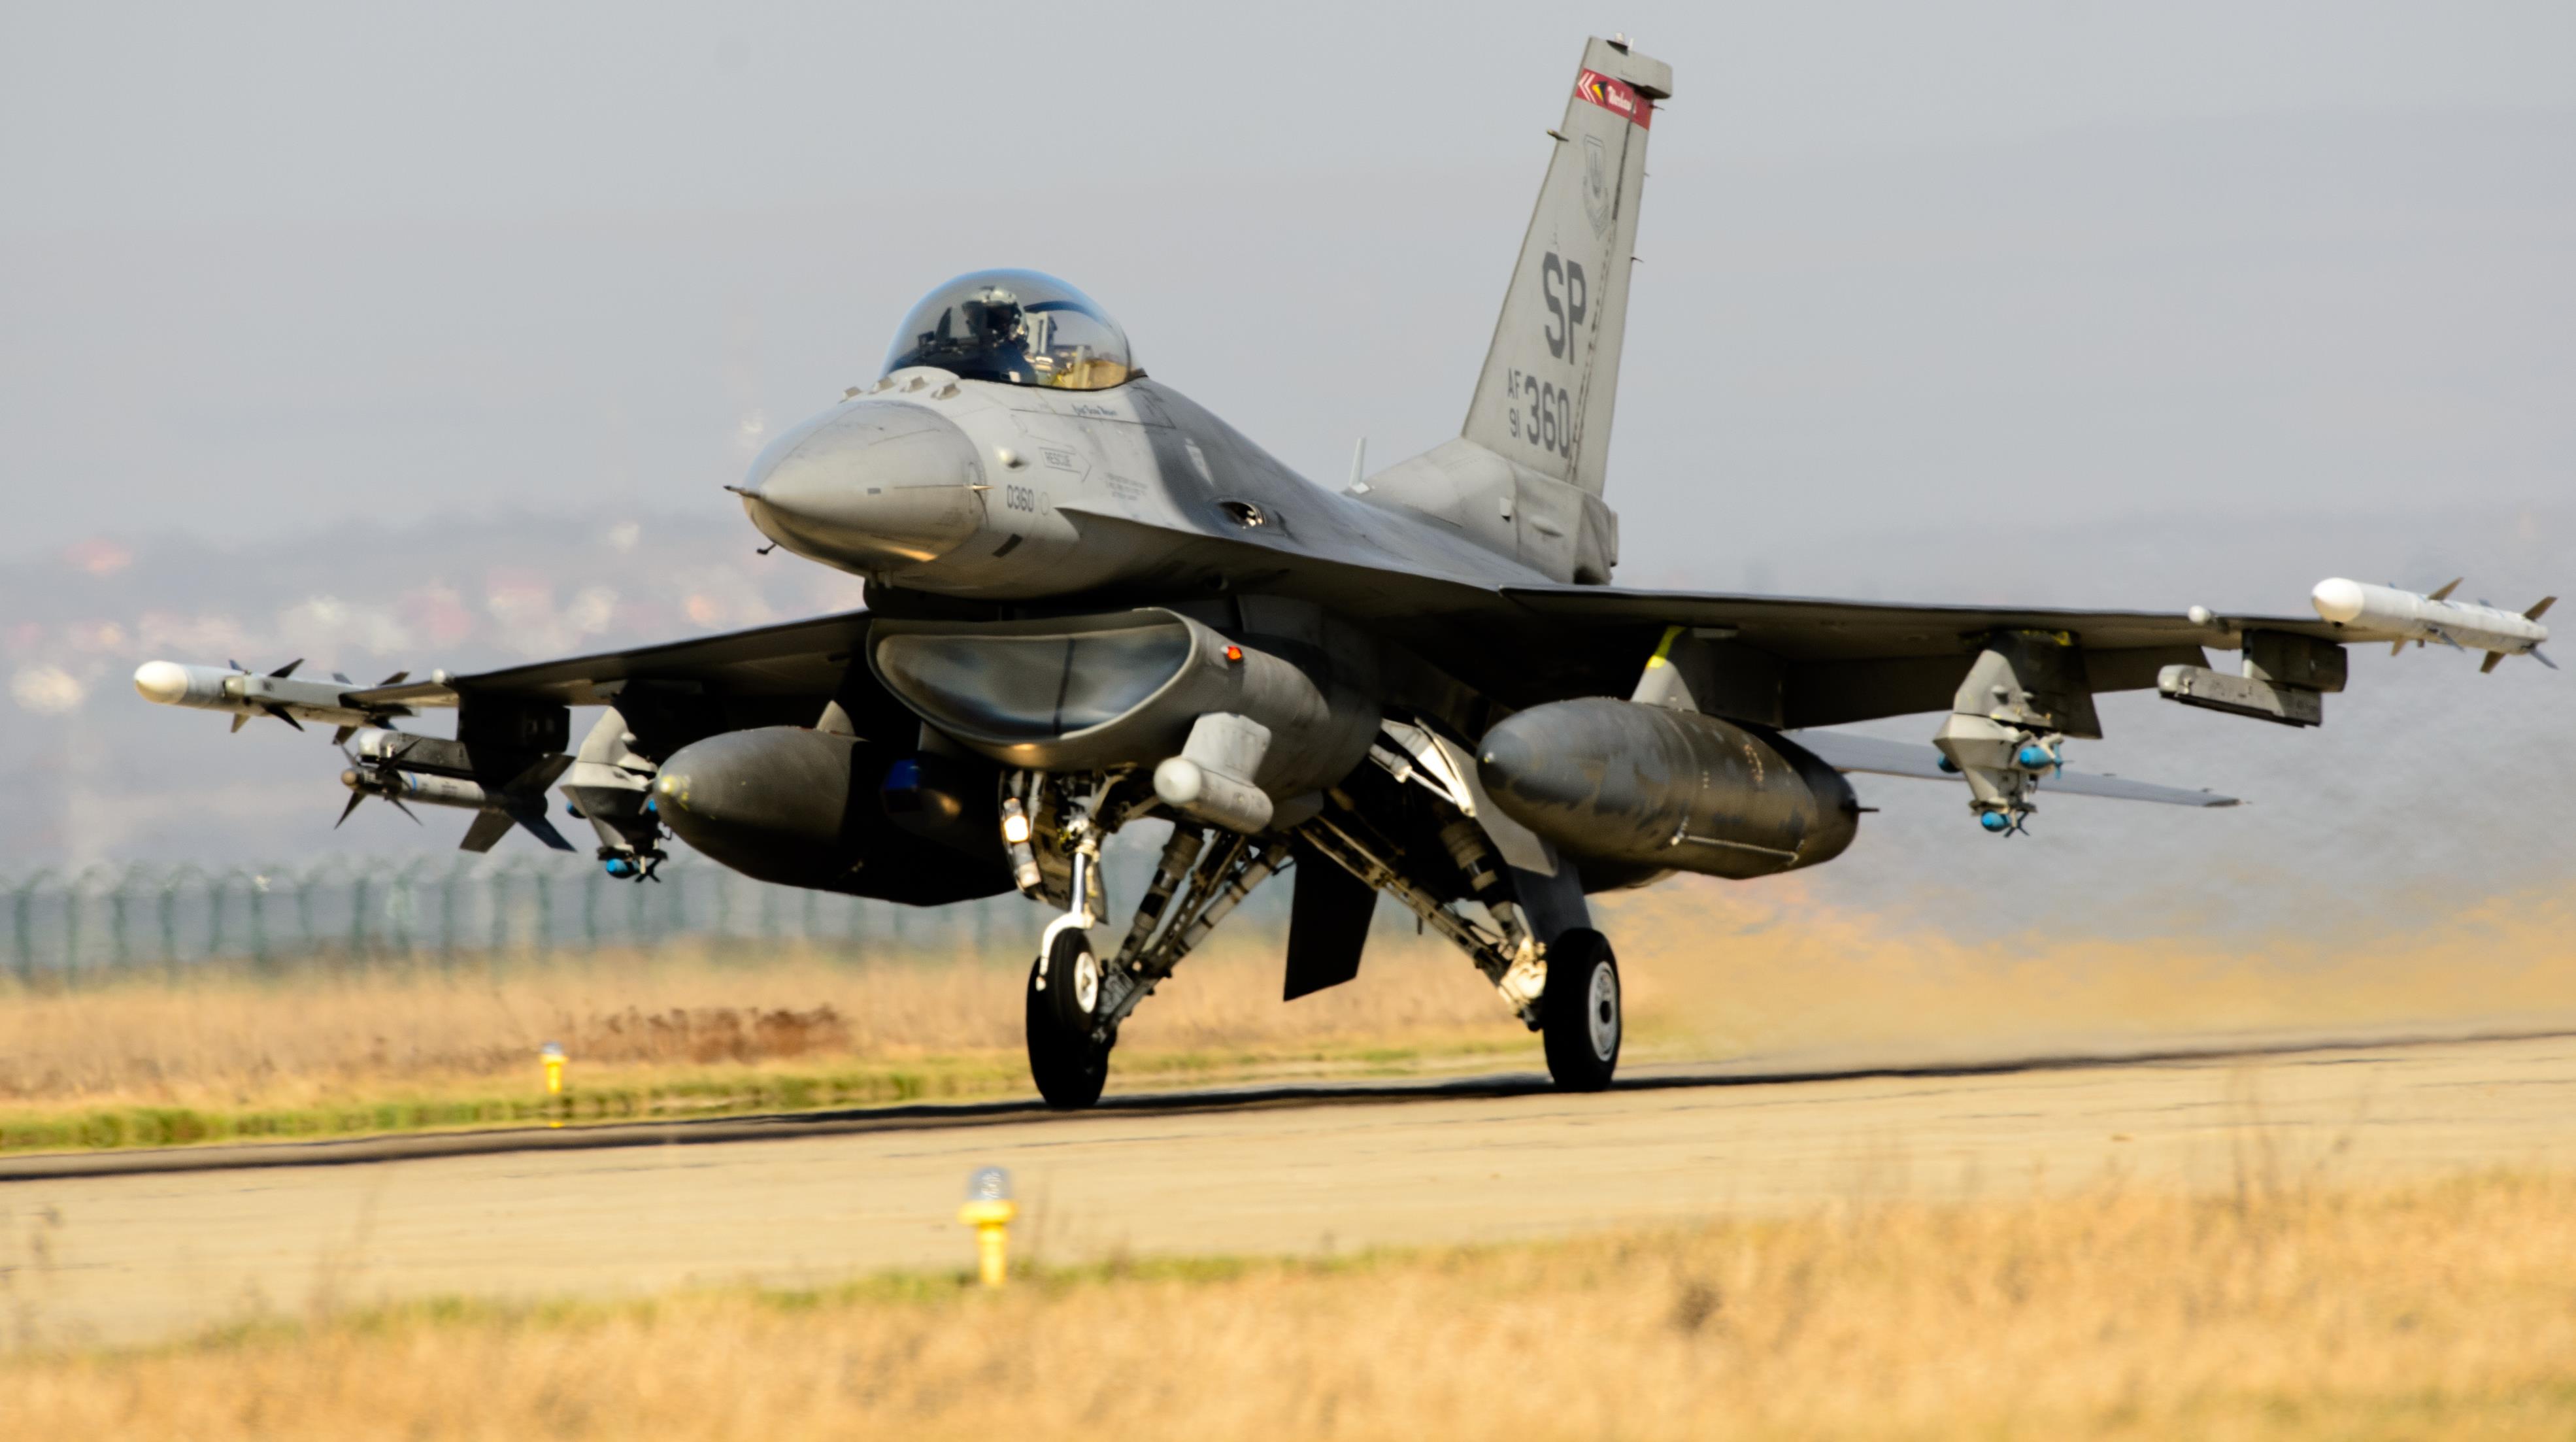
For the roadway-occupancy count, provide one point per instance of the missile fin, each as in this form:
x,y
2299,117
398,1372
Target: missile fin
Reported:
x,y
2489,664
2536,612
2448,587
2542,657
2398,647
539,827
282,672
280,713
240,719
354,798
488,827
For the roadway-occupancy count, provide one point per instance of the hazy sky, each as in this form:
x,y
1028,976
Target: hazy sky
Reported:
x,y
264,268
119,115
2062,303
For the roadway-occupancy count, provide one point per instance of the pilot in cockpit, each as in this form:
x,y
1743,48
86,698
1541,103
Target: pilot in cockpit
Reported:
x,y
1018,327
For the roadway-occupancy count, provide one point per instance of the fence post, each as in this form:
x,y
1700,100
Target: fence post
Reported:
x,y
305,881
26,923
259,952
358,884
496,899
75,915
120,953
447,910
407,914
170,885
543,875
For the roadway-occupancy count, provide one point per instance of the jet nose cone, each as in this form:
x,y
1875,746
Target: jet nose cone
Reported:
x,y
877,485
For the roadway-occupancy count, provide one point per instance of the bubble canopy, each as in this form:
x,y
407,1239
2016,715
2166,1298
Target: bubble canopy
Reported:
x,y
1018,327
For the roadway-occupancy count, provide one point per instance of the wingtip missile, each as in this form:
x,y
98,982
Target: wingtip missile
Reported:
x,y
2402,616
247,695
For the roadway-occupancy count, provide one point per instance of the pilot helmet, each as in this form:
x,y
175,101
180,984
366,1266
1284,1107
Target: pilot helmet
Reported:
x,y
1017,327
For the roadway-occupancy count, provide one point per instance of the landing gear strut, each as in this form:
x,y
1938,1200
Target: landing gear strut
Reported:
x,y
1567,989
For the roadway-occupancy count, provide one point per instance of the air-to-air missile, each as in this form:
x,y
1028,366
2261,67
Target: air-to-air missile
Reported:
x,y
400,786
245,694
2435,617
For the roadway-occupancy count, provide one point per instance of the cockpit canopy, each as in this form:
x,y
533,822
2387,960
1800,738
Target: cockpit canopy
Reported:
x,y
1015,326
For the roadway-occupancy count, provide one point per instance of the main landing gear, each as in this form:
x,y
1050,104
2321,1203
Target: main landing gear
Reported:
x,y
1579,1013
1566,990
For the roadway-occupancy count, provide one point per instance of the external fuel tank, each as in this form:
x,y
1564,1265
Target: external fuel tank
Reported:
x,y
1615,781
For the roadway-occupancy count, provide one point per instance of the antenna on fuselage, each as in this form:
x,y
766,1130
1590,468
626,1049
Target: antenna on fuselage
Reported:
x,y
1359,464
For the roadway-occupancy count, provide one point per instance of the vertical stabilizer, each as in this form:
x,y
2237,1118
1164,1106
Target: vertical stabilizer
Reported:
x,y
1545,397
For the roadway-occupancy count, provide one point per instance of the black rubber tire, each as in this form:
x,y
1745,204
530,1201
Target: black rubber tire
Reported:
x,y
1582,1015
1068,1065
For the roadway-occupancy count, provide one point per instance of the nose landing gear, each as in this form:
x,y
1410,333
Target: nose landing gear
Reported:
x,y
1068,1053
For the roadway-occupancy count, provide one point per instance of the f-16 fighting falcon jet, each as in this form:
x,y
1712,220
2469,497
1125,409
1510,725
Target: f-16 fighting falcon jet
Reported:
x,y
1092,604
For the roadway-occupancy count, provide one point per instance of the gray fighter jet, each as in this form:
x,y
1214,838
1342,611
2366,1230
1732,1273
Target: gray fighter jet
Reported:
x,y
1092,604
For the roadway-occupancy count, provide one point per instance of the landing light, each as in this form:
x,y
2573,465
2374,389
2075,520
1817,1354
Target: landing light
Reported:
x,y
1015,827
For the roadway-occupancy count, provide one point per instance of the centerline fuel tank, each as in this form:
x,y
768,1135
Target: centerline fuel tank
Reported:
x,y
1637,785
1078,693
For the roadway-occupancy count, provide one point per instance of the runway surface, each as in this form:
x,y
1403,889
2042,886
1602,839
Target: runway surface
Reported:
x,y
122,1248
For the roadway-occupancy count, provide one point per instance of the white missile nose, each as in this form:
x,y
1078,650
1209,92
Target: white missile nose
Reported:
x,y
161,682
2337,600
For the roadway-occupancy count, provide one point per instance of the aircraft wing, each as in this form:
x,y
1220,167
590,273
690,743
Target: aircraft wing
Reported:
x,y
796,659
1822,629
1840,661
1845,752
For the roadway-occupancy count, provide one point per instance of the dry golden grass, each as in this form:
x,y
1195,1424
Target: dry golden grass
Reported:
x,y
224,1038
1725,970
2439,1310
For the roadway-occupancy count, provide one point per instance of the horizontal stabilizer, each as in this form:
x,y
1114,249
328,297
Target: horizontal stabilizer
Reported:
x,y
1845,752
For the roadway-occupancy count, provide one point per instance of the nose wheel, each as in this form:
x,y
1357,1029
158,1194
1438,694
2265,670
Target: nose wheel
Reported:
x,y
1580,1014
1067,1055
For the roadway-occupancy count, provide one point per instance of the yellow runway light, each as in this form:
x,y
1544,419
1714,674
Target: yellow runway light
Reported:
x,y
553,1056
989,1211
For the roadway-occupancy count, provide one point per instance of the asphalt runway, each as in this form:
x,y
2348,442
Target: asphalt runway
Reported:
x,y
135,1247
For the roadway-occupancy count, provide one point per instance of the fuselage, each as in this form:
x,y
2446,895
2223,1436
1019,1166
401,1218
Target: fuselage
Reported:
x,y
988,491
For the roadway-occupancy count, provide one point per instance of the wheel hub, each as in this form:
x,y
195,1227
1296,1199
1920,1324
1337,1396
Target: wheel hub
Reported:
x,y
1086,982
1602,1011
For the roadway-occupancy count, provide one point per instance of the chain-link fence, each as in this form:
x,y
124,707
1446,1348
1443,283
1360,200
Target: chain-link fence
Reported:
x,y
114,921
